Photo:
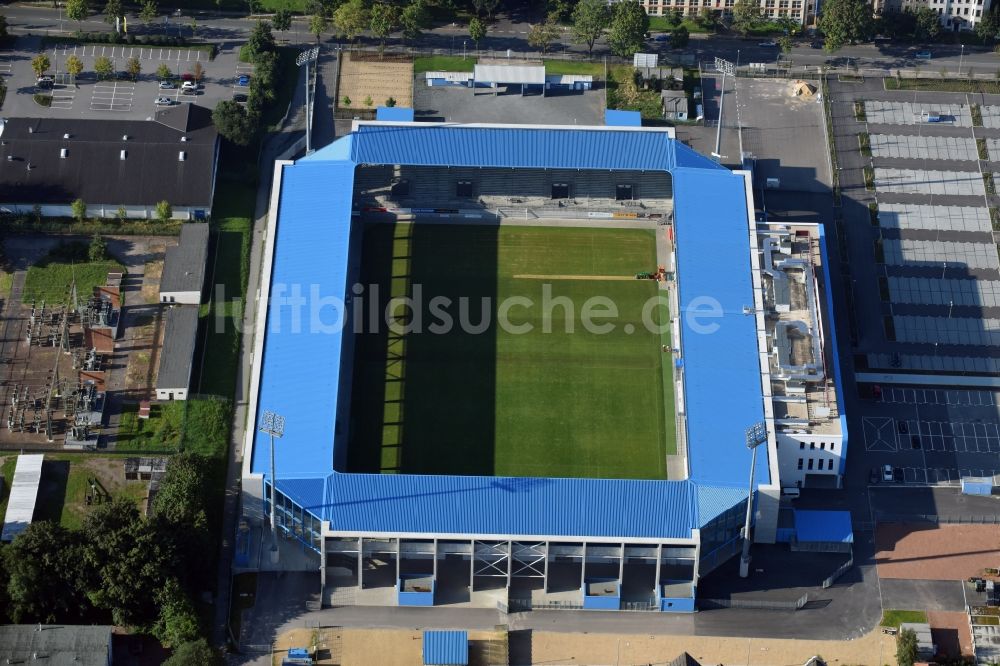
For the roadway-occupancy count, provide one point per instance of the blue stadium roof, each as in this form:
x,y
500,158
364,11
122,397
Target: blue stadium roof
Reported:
x,y
301,374
827,526
446,648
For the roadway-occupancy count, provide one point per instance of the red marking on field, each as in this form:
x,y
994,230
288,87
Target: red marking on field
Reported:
x,y
950,632
949,552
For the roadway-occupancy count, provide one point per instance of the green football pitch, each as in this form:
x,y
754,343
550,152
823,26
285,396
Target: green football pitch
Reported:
x,y
490,398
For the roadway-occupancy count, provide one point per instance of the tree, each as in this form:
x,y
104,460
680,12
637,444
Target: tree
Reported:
x,y
414,19
77,10
897,25
989,27
45,575
707,18
40,64
148,12
196,653
3,27
177,623
74,66
346,101
130,560
197,72
318,25
112,10
541,35
282,20
164,211
383,18
261,40
98,249
134,67
680,37
163,72
79,208
369,101
845,22
786,44
590,18
233,123
928,24
629,24
390,102
351,19
746,16
477,30
104,68
121,214
906,647
485,7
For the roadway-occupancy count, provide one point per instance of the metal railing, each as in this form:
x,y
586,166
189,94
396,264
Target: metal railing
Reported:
x,y
933,519
841,570
754,604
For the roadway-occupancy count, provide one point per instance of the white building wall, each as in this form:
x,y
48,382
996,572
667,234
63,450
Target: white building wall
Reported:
x,y
182,297
824,452
104,211
171,394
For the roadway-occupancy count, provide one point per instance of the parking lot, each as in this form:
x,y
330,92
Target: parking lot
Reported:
x,y
123,99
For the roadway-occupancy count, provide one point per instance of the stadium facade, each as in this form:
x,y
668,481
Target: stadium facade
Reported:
x,y
749,348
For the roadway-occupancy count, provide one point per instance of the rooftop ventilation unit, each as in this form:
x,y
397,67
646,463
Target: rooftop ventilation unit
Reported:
x,y
123,154
66,135
184,139
31,130
124,137
63,153
181,156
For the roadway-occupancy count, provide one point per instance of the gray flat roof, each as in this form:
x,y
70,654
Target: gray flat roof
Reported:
x,y
62,645
184,264
180,330
23,495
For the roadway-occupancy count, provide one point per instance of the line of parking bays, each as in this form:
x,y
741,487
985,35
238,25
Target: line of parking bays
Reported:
x,y
141,52
948,436
942,476
917,396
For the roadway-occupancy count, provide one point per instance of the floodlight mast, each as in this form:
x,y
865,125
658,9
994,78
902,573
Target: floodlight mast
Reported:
x,y
274,425
726,67
305,58
756,435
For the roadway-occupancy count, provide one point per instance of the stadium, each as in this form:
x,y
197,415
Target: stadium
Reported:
x,y
454,426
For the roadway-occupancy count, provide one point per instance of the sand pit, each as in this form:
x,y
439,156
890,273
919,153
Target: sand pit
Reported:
x,y
379,80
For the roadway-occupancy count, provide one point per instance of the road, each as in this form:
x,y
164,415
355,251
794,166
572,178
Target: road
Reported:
x,y
510,32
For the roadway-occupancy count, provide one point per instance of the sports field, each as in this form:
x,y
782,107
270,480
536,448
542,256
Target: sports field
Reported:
x,y
490,398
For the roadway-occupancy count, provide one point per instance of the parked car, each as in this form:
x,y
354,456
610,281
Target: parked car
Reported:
x,y
897,475
663,37
241,98
167,85
873,476
190,91
887,472
189,85
903,428
187,76
163,101
922,55
45,81
915,441
769,43
244,80
697,92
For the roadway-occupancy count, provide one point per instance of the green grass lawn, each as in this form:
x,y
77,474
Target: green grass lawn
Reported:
x,y
893,618
646,102
664,24
160,432
943,84
505,401
49,279
443,64
595,69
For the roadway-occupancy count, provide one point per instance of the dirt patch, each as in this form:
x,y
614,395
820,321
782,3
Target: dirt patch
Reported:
x,y
150,290
949,552
390,647
951,634
324,644
378,80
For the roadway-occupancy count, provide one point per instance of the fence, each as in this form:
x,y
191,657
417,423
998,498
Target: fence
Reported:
x,y
524,605
754,604
832,578
932,519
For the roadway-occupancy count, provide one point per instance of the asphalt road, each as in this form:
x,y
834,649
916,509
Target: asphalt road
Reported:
x,y
510,32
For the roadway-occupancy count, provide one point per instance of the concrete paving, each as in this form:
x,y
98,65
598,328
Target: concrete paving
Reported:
x,y
925,595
